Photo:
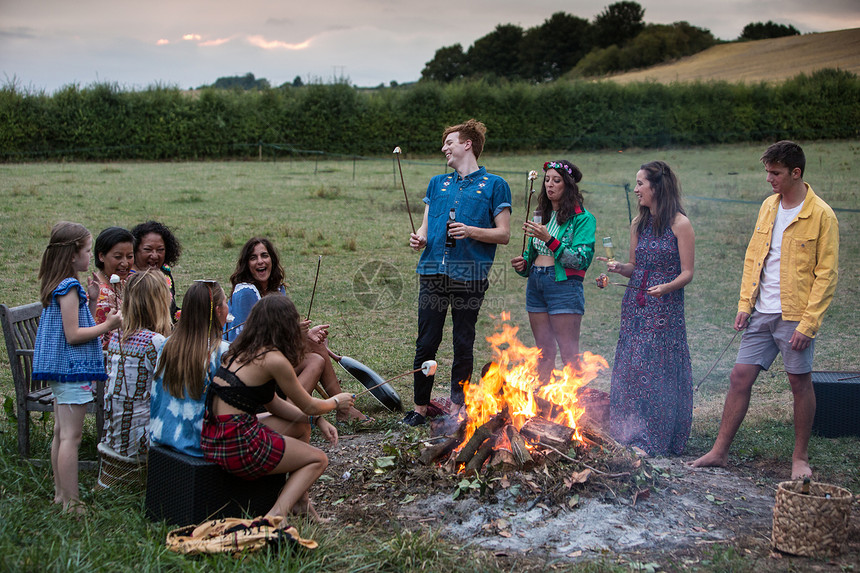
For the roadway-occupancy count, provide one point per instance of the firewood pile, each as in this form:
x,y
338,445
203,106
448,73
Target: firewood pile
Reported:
x,y
498,446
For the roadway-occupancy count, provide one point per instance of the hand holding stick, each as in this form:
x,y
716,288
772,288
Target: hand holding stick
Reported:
x,y
310,306
532,177
397,153
603,280
428,368
114,280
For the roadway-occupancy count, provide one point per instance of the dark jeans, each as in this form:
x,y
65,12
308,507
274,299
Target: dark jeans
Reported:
x,y
436,294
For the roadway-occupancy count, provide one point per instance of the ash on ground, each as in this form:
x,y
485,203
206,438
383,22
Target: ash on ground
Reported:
x,y
662,505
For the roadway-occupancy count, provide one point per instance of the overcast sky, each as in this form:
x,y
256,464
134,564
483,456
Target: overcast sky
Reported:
x,y
47,44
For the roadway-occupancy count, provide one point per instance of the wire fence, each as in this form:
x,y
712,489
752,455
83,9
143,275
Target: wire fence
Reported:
x,y
281,151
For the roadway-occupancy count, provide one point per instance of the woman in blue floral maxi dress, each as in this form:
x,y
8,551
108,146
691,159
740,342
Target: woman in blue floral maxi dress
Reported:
x,y
651,397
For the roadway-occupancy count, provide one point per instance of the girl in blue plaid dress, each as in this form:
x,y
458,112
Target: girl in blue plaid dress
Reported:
x,y
68,354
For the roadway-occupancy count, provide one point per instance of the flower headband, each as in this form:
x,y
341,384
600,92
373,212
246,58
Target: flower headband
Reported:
x,y
556,165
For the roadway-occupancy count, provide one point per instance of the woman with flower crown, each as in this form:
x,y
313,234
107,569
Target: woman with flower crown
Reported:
x,y
651,397
559,251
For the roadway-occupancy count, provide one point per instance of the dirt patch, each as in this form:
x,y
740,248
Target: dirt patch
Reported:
x,y
661,510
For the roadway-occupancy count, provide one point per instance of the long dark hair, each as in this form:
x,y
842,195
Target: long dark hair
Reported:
x,y
667,195
571,175
242,274
184,361
272,324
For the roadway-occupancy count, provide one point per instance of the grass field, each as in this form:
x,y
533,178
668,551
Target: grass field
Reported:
x,y
353,214
770,60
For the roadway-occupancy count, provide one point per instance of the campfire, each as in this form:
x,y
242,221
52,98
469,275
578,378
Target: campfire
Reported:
x,y
512,418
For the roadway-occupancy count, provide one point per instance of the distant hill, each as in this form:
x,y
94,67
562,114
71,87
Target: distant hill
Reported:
x,y
763,60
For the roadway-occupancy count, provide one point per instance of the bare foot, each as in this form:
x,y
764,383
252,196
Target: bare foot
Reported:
x,y
75,506
710,460
353,416
305,508
800,469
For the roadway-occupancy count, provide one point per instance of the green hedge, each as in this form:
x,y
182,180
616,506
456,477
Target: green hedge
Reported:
x,y
103,121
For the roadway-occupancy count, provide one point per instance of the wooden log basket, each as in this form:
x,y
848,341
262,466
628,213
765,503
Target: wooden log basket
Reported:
x,y
811,524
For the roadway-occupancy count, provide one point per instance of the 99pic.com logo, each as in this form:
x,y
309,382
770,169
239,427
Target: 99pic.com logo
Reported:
x,y
377,285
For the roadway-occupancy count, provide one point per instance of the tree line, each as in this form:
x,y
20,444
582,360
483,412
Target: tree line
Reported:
x,y
618,39
103,122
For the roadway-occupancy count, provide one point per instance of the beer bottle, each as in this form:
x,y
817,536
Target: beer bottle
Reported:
x,y
450,242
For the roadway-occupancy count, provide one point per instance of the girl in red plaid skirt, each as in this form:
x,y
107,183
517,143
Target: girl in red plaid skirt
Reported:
x,y
251,444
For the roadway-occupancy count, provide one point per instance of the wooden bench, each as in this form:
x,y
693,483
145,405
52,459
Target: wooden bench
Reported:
x,y
20,325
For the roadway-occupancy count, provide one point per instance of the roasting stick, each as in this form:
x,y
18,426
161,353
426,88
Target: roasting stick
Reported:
x,y
718,359
428,368
310,306
319,387
397,153
532,177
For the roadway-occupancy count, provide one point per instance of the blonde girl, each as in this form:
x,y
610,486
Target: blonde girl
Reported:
x,y
186,364
131,358
67,353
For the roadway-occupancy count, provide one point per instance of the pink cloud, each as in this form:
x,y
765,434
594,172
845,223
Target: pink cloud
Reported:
x,y
216,42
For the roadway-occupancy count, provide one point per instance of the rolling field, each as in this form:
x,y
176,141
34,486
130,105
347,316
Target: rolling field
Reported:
x,y
771,60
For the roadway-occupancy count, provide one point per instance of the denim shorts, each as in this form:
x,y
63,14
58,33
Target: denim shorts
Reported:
x,y
766,336
545,294
72,392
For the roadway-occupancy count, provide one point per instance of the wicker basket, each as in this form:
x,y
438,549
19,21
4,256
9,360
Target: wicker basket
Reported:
x,y
811,524
116,470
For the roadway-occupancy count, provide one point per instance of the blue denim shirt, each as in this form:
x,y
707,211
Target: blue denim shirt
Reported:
x,y
476,199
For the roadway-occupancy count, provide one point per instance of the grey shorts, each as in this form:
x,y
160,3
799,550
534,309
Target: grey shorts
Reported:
x,y
766,336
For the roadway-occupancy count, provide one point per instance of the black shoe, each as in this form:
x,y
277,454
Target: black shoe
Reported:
x,y
413,418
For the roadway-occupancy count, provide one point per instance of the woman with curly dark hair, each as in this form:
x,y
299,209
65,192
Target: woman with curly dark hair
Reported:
x,y
259,362
560,249
155,247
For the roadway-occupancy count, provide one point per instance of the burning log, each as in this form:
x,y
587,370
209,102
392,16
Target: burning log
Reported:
x,y
548,433
546,408
473,467
434,452
481,434
518,447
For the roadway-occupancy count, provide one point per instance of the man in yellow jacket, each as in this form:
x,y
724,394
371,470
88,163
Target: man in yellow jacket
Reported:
x,y
790,272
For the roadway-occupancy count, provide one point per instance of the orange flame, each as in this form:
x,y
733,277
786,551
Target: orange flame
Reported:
x,y
512,381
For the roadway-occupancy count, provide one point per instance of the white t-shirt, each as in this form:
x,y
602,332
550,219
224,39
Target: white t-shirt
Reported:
x,y
768,300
